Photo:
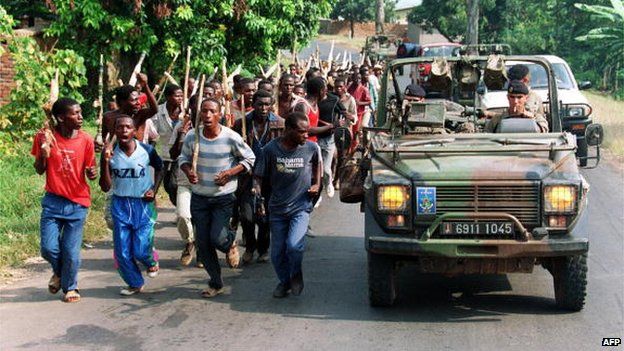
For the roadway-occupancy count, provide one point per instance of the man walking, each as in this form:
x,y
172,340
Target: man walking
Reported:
x,y
165,121
125,167
222,157
65,160
262,126
291,164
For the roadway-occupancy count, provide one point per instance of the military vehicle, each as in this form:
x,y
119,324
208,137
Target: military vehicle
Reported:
x,y
449,198
380,47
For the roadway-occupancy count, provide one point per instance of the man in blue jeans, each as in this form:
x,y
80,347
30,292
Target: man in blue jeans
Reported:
x,y
66,156
222,156
293,167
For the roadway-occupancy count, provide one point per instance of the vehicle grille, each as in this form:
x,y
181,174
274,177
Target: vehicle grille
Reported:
x,y
519,200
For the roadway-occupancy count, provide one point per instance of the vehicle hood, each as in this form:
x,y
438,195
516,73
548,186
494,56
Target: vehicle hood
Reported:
x,y
516,166
465,161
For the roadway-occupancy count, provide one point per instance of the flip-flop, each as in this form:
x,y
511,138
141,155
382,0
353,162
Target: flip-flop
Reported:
x,y
54,285
71,296
211,292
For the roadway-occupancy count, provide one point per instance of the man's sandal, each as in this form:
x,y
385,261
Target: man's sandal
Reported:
x,y
71,296
211,292
129,291
54,285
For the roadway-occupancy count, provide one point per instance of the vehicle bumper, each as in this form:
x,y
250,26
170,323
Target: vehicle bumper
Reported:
x,y
454,248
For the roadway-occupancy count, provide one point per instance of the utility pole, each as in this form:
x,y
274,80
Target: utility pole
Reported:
x,y
380,17
472,31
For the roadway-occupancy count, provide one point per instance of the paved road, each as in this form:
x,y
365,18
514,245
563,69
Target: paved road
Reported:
x,y
513,312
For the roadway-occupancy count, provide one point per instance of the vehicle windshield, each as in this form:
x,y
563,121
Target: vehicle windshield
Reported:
x,y
437,51
456,98
540,81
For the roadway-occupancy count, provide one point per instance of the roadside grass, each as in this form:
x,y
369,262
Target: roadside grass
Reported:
x,y
20,209
608,112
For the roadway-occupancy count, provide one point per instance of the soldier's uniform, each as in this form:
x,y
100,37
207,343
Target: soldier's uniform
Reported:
x,y
517,87
534,106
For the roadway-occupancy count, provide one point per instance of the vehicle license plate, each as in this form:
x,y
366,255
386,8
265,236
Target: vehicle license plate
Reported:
x,y
477,228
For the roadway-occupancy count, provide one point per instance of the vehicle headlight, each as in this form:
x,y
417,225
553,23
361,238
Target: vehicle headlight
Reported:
x,y
560,199
392,198
576,111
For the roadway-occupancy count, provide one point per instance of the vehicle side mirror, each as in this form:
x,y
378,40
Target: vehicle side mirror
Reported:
x,y
594,134
584,85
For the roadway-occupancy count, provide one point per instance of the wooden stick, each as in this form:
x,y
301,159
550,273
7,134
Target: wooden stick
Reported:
x,y
269,73
236,71
244,121
170,79
49,122
276,88
163,80
214,73
197,121
133,78
186,81
195,87
98,134
227,97
330,59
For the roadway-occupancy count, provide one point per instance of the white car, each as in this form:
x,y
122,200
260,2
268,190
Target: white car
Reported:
x,y
576,109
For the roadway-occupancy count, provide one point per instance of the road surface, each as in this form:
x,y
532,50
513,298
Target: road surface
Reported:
x,y
513,312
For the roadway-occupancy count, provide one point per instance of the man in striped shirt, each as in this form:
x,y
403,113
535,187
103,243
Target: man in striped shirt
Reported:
x,y
222,156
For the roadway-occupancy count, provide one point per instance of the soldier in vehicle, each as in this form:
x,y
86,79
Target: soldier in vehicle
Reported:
x,y
413,93
533,104
517,95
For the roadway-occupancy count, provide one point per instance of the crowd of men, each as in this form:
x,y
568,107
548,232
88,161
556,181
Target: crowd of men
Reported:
x,y
259,159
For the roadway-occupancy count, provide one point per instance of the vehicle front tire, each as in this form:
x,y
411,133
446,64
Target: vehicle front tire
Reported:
x,y
381,280
570,281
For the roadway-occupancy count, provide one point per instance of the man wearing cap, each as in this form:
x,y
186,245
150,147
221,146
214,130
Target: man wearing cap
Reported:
x,y
413,93
534,104
517,95
373,79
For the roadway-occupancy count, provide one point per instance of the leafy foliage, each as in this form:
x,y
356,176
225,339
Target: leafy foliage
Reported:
x,y
34,70
609,37
246,31
358,11
529,27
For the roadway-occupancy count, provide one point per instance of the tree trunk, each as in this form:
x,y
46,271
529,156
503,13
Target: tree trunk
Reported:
x,y
472,31
352,26
380,17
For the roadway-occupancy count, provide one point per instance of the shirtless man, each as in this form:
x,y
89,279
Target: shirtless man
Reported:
x,y
127,99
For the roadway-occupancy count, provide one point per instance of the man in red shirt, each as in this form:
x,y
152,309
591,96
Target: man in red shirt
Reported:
x,y
67,160
362,99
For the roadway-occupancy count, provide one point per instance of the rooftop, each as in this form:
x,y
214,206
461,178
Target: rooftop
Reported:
x,y
406,4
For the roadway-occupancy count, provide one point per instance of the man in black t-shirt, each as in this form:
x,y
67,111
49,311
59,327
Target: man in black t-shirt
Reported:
x,y
330,111
290,163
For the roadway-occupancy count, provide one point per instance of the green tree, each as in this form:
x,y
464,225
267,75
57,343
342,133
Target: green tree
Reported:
x,y
359,11
247,32
34,70
609,37
529,27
